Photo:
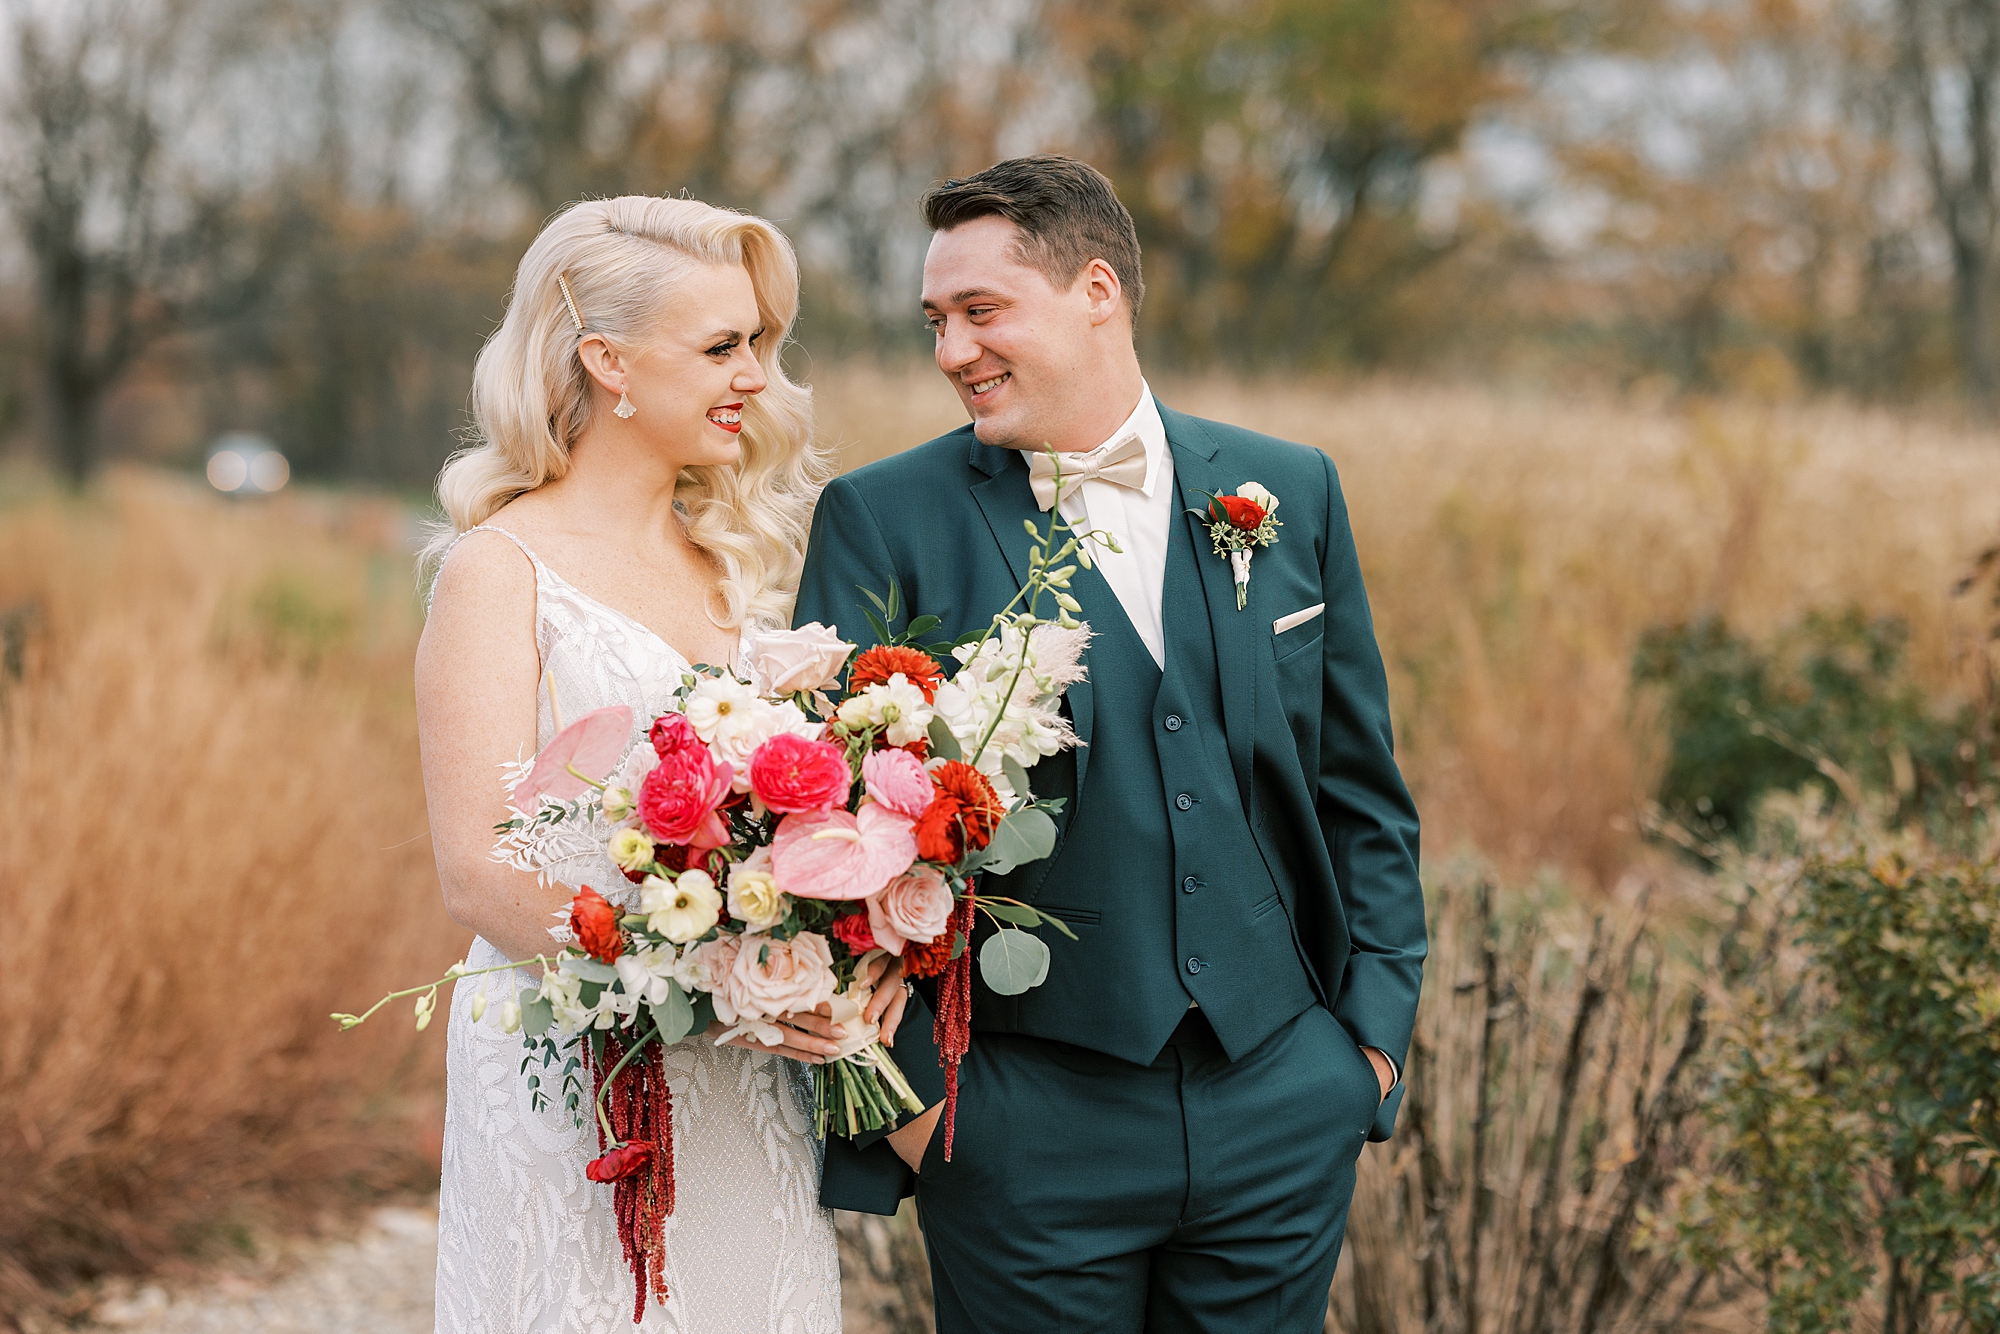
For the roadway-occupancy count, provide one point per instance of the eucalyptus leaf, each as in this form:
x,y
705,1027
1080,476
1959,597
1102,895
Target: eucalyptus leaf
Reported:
x,y
674,1015
590,970
537,1015
1027,835
943,744
1013,961
1014,912
1016,775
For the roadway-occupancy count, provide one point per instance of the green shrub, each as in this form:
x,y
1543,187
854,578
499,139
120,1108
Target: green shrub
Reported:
x,y
1857,1098
1745,719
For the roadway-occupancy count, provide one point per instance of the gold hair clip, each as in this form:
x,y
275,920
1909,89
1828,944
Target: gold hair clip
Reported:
x,y
569,300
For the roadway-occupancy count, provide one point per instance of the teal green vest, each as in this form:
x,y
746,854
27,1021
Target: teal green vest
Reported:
x,y
1156,869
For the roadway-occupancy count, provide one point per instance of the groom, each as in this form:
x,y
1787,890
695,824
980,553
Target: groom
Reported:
x,y
1163,1135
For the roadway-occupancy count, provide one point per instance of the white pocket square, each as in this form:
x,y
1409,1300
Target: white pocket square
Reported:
x,y
1284,623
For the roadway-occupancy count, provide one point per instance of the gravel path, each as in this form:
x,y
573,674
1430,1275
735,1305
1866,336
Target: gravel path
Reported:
x,y
379,1282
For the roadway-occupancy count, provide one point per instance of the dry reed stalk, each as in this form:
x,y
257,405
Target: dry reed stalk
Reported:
x,y
1543,1118
1516,549
211,836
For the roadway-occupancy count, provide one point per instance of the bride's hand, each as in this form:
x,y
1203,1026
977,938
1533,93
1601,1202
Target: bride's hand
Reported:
x,y
808,1037
892,996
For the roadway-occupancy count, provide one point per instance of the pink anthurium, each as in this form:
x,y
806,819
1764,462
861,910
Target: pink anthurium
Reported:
x,y
831,854
576,757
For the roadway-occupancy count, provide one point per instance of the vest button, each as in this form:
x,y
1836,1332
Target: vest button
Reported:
x,y
1184,801
1194,965
1190,885
1173,722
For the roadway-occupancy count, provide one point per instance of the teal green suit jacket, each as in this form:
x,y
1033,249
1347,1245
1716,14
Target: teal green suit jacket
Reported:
x,y
1305,711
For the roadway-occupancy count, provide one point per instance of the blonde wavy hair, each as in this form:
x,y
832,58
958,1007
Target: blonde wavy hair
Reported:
x,y
531,397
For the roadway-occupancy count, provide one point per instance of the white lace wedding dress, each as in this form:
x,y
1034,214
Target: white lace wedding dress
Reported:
x,y
525,1243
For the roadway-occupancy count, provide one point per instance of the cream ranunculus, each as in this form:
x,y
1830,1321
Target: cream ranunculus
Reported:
x,y
773,977
808,658
631,849
682,909
754,896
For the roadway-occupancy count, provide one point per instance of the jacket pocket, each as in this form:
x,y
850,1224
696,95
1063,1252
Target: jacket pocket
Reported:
x,y
1074,916
1267,907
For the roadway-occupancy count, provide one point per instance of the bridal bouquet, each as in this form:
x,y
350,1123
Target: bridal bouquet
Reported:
x,y
787,831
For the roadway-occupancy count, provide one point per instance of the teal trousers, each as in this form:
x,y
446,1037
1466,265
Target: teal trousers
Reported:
x,y
1085,1193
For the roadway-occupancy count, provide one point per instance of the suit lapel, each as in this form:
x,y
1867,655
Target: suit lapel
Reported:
x,y
1007,501
1197,474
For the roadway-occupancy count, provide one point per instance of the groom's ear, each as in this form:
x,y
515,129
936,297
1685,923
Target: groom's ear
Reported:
x,y
1103,294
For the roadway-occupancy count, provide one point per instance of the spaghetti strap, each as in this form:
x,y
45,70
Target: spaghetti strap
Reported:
x,y
542,572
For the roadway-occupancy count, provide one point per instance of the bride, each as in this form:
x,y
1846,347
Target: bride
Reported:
x,y
637,502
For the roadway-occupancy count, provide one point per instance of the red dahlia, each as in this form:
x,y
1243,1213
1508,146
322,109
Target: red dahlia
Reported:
x,y
979,804
928,960
878,664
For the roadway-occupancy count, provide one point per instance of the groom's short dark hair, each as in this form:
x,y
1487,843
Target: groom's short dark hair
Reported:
x,y
1067,212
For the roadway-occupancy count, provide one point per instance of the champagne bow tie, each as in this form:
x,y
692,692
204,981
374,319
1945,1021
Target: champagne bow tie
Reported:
x,y
1122,462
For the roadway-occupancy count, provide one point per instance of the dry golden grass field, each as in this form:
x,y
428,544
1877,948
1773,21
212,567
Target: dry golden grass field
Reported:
x,y
211,821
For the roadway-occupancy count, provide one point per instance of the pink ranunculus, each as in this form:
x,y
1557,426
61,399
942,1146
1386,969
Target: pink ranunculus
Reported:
x,y
790,773
773,977
673,732
915,906
679,798
897,779
832,854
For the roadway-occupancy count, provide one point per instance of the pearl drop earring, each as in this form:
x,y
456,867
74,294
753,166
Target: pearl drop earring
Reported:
x,y
624,408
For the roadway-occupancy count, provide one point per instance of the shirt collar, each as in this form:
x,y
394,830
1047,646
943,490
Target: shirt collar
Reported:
x,y
1152,432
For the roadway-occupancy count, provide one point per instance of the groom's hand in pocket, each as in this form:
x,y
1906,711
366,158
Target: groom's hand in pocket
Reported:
x,y
913,1139
1384,1071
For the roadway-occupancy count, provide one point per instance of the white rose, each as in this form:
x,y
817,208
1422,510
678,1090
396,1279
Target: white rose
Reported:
x,y
706,968
1258,496
682,909
808,658
773,977
754,896
915,906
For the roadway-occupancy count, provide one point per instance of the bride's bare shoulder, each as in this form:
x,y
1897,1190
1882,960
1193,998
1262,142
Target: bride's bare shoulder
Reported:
x,y
484,596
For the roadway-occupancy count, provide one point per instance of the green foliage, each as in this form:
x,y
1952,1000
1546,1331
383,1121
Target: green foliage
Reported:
x,y
1746,718
1858,1097
299,619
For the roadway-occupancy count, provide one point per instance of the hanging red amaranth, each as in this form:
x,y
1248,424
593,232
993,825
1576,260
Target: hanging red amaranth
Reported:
x,y
953,1029
640,1107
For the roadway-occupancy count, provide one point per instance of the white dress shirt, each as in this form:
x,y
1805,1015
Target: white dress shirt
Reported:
x,y
1140,520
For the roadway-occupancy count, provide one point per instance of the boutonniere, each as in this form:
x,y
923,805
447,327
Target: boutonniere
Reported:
x,y
1238,525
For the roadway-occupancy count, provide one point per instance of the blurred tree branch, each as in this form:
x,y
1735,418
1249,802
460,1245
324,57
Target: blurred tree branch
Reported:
x,y
1950,59
121,253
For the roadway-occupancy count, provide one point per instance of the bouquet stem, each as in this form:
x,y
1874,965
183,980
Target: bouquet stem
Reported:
x,y
864,1091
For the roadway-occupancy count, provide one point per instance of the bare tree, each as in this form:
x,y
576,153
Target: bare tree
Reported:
x,y
1951,57
123,248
